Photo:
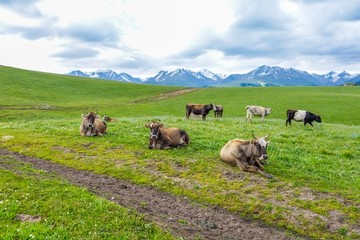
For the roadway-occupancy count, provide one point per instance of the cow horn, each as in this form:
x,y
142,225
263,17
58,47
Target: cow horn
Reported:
x,y
266,136
254,136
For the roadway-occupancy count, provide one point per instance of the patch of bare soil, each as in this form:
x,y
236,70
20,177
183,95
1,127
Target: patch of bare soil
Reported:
x,y
181,216
176,93
167,95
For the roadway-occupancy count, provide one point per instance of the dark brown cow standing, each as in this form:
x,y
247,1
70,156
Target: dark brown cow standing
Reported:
x,y
199,109
163,138
91,125
249,156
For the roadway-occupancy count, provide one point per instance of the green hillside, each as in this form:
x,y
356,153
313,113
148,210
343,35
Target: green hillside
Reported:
x,y
316,169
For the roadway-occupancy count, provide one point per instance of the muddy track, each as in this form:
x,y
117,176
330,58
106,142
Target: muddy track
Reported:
x,y
182,217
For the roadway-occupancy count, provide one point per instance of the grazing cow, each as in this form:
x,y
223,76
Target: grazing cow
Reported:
x,y
249,156
257,111
218,110
91,125
301,116
162,138
199,109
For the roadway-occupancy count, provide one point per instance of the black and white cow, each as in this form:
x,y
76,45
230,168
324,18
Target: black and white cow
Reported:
x,y
301,116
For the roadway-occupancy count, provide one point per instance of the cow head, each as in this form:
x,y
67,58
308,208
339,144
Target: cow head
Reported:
x,y
107,119
210,106
318,118
261,145
267,111
88,122
154,129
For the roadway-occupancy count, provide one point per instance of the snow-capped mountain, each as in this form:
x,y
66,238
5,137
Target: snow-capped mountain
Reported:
x,y
184,77
338,78
106,74
211,75
261,76
272,76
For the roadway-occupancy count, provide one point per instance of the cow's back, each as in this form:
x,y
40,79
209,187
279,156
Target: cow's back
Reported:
x,y
175,135
100,126
299,115
230,149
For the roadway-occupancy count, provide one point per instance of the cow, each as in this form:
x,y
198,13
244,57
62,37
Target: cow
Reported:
x,y
164,138
302,116
91,125
199,109
218,110
249,156
109,119
257,111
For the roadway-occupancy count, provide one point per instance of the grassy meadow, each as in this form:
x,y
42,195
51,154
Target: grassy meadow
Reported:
x,y
316,169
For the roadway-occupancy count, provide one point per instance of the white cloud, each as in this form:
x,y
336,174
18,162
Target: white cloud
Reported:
x,y
142,37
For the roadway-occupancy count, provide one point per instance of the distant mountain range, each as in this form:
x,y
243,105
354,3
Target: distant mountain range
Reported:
x,y
261,76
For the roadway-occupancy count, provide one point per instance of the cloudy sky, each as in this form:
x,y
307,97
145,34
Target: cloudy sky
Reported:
x,y
142,37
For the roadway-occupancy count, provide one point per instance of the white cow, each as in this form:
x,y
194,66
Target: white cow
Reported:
x,y
257,111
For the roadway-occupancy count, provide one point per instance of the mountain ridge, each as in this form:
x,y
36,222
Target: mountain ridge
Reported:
x,y
261,76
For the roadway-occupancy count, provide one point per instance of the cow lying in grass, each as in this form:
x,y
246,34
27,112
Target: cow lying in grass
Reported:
x,y
256,111
91,125
302,116
163,138
109,119
249,156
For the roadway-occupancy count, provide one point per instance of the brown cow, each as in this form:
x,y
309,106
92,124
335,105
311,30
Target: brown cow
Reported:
x,y
91,125
163,138
249,156
199,109
218,110
109,119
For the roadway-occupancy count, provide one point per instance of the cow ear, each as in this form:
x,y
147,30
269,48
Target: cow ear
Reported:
x,y
161,125
253,141
147,125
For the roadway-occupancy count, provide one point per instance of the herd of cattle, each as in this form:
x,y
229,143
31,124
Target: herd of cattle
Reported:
x,y
249,156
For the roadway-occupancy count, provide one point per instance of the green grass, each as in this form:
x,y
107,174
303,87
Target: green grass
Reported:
x,y
315,169
65,211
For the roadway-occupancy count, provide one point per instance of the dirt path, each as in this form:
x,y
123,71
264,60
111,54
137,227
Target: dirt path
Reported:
x,y
183,217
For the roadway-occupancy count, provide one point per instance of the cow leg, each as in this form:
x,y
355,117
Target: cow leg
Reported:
x,y
288,121
250,118
152,143
244,166
203,117
165,144
258,164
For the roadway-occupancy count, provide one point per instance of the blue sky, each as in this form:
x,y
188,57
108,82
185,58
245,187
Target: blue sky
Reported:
x,y
142,37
